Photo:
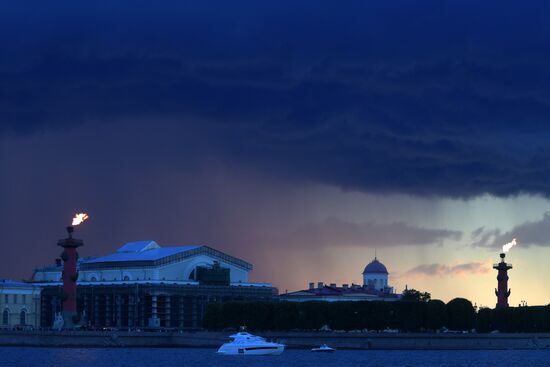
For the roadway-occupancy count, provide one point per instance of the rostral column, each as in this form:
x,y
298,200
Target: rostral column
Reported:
x,y
70,273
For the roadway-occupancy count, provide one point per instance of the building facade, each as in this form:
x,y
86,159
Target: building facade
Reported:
x,y
147,260
144,285
142,304
375,288
19,304
375,277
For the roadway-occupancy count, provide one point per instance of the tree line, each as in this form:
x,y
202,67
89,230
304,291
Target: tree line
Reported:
x,y
405,316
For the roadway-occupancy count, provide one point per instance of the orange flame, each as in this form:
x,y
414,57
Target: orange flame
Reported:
x,y
79,218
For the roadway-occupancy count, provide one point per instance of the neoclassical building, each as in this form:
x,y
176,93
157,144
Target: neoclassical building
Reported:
x,y
375,288
145,285
147,260
375,277
19,304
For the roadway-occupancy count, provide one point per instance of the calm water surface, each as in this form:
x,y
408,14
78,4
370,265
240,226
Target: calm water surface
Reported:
x,y
85,357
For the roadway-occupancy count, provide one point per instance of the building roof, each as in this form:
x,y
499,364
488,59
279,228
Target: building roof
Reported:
x,y
57,268
14,284
138,246
375,267
149,253
143,282
140,251
329,291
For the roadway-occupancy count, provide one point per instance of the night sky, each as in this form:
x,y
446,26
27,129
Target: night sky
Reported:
x,y
299,136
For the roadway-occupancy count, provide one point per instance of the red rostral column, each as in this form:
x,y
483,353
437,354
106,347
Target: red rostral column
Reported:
x,y
70,275
502,292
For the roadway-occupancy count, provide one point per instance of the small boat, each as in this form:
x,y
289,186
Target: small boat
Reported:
x,y
244,343
323,348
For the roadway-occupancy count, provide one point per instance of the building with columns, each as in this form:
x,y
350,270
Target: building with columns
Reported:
x,y
145,285
147,260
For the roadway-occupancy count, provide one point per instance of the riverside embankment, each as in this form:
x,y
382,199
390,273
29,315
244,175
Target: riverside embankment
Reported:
x,y
203,339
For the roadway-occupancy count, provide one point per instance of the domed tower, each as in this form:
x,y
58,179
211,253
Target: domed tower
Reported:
x,y
375,276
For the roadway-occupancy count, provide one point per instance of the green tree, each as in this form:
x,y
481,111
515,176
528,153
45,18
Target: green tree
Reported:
x,y
436,315
484,320
285,315
312,315
409,315
414,295
460,314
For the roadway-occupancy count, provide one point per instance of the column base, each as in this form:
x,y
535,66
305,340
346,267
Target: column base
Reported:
x,y
154,323
69,318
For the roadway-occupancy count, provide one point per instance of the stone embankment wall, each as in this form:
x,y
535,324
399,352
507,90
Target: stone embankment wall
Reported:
x,y
203,339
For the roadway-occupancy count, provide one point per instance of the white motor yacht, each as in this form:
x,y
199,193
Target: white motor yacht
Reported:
x,y
323,348
247,344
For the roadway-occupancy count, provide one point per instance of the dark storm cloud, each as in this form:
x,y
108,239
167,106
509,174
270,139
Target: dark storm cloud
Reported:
x,y
114,173
444,270
335,232
533,233
426,98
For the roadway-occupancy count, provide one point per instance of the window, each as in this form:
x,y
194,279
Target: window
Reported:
x,y
22,317
5,317
6,299
15,298
24,298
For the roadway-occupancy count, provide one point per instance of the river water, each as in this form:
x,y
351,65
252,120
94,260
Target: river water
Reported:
x,y
87,357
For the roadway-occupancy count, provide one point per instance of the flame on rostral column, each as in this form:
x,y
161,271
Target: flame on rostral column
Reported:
x,y
79,218
509,245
